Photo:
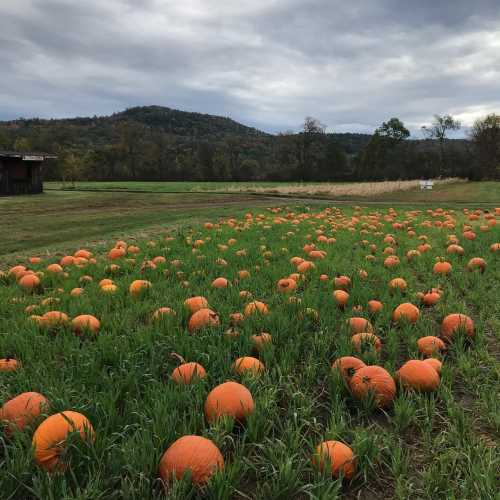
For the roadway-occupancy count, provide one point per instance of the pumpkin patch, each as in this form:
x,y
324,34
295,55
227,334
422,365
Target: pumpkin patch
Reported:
x,y
316,344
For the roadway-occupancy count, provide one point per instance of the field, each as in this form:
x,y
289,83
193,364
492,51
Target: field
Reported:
x,y
448,191
436,444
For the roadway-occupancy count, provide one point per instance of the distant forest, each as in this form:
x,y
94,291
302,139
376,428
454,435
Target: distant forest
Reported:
x,y
158,143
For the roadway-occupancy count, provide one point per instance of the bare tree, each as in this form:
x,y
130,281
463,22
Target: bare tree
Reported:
x,y
438,130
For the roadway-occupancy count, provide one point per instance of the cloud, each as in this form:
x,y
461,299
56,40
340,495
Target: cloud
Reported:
x,y
264,63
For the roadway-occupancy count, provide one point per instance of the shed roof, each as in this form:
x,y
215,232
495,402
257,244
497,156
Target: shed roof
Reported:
x,y
27,155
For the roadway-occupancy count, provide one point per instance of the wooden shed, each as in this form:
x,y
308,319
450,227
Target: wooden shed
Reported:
x,y
22,173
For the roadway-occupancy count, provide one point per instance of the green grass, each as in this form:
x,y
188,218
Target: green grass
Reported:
x,y
439,445
41,222
459,192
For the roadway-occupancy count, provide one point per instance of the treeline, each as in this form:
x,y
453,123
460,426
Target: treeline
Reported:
x,y
155,143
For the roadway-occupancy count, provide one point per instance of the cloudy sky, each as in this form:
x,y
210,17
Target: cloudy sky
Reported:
x,y
267,63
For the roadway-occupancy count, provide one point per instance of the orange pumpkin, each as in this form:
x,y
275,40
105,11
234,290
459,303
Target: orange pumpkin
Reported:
x,y
203,318
341,297
286,285
54,319
261,340
442,267
248,364
195,455
453,323
194,304
430,345
9,365
375,381
85,323
229,399
22,410
398,284
50,436
375,306
365,339
139,287
29,282
472,265
407,312
342,282
418,375
337,456
220,283
431,298
435,363
256,307
359,325
187,373
347,366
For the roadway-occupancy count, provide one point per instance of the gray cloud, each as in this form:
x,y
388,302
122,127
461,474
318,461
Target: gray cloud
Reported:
x,y
264,63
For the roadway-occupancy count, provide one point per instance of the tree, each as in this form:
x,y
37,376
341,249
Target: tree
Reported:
x,y
438,130
22,144
393,130
312,131
73,168
485,135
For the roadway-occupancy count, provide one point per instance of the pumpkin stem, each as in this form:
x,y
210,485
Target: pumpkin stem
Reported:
x,y
178,357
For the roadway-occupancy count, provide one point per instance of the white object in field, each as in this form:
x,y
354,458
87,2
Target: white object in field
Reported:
x,y
426,184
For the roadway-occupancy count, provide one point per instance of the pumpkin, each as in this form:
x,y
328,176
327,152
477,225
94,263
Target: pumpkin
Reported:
x,y
85,323
347,366
54,269
203,318
109,289
286,285
435,363
375,381
442,267
256,307
50,436
430,345
375,306
83,254
186,373
195,455
431,298
22,410
220,283
341,297
455,249
248,364
54,319
76,292
418,375
9,365
407,312
365,339
29,282
161,312
67,260
229,399
472,265
138,287
261,340
342,282
194,304
359,325
495,247
453,323
305,266
16,271
337,456
117,253
398,284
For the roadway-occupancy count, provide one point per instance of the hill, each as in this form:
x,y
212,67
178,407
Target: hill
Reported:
x,y
160,143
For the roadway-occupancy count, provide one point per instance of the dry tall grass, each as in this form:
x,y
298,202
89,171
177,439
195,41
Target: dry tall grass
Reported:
x,y
333,190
